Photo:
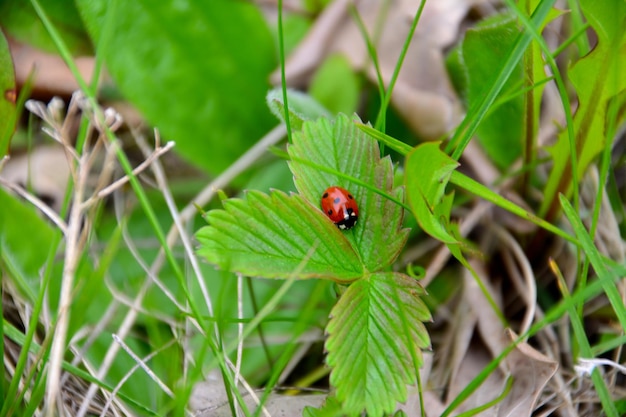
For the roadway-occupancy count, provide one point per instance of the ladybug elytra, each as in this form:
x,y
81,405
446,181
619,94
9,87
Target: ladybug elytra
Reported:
x,y
340,207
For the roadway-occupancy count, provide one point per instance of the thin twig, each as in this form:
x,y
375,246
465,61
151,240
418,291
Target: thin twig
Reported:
x,y
529,294
72,256
123,330
35,201
143,366
141,167
159,175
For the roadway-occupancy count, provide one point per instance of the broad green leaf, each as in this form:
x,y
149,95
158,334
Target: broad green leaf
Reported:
x,y
7,96
369,350
474,69
19,20
277,236
196,70
608,19
25,240
336,86
428,171
343,148
302,107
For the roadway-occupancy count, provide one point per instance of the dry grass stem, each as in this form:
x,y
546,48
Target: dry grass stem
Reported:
x,y
142,364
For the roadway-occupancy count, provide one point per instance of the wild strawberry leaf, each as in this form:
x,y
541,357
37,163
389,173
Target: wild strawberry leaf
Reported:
x,y
342,147
375,336
277,236
428,170
331,408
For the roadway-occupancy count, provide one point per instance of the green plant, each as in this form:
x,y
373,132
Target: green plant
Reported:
x,y
287,236
144,323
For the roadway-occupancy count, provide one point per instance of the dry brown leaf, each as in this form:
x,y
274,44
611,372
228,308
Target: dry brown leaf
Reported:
x,y
432,404
459,334
490,327
531,370
479,353
476,359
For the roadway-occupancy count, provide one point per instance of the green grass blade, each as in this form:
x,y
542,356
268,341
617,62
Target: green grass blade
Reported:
x,y
597,262
583,343
398,146
480,190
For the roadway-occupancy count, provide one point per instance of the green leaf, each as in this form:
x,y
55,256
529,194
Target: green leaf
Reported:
x,y
369,350
506,66
477,61
302,107
428,171
25,240
335,85
191,69
341,147
7,96
331,408
277,236
608,18
19,20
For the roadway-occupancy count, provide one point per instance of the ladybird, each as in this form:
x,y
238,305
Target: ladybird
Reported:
x,y
340,207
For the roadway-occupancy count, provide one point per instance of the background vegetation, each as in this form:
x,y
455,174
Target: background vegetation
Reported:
x,y
483,141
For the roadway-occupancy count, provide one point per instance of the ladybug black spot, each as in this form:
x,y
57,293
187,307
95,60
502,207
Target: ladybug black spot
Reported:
x,y
348,222
350,197
325,195
330,212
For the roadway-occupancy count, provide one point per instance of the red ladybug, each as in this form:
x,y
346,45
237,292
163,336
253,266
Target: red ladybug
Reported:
x,y
340,207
